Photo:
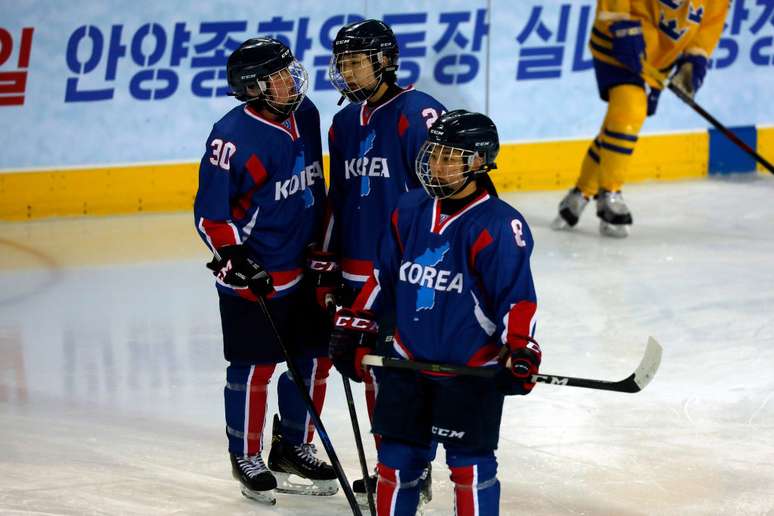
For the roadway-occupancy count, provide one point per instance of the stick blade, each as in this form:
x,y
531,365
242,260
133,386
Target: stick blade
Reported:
x,y
649,364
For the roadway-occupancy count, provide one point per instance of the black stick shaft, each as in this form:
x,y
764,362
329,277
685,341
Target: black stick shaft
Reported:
x,y
359,443
313,415
626,385
663,79
720,127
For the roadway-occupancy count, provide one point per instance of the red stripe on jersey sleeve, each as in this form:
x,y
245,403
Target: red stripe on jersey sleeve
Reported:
x,y
486,354
357,267
362,298
331,135
259,176
519,320
403,125
239,210
257,171
395,229
220,233
483,240
397,341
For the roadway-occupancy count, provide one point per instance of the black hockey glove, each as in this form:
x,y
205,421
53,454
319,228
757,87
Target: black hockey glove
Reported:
x,y
237,270
515,378
325,275
354,335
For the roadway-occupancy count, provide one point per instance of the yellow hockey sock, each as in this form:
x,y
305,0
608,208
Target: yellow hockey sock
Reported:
x,y
626,112
588,182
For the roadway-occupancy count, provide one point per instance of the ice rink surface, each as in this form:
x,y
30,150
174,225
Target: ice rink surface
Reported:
x,y
111,372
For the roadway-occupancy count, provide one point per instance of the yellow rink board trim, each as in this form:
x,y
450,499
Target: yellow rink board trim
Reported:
x,y
171,187
765,144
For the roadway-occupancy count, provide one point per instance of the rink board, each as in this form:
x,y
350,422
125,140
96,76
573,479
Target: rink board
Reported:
x,y
169,187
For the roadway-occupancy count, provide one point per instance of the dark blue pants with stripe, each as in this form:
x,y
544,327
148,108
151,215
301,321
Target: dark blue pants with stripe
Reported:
x,y
252,351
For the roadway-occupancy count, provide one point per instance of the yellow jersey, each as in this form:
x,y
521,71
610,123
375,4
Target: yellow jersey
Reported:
x,y
669,27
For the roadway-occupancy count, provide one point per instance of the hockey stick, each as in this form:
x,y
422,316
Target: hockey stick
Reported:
x,y
635,382
359,444
656,75
315,417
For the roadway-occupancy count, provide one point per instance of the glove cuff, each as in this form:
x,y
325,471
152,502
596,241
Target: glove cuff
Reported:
x,y
360,371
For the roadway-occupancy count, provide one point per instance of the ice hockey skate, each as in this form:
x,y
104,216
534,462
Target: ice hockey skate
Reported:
x,y
359,488
256,481
426,492
297,469
614,215
570,210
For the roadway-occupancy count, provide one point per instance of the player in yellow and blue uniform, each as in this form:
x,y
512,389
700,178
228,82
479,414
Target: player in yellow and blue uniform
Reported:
x,y
677,35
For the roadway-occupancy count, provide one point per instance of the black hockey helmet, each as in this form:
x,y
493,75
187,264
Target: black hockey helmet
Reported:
x,y
260,61
375,39
460,145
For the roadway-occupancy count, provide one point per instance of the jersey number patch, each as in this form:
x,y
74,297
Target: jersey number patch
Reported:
x,y
518,233
221,153
430,115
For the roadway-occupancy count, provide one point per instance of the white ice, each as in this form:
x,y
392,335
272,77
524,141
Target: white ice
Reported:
x,y
111,371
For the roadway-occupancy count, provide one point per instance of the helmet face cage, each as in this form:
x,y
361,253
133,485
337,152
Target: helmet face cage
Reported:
x,y
284,90
444,170
357,63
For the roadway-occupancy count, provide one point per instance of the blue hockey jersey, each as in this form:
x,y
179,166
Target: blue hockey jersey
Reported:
x,y
372,162
261,184
461,285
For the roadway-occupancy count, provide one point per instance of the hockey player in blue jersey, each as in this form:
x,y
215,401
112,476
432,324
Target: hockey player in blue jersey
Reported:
x,y
259,206
373,143
455,266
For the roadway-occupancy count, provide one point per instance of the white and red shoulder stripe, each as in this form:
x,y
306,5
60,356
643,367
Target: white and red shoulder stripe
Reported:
x,y
439,223
288,126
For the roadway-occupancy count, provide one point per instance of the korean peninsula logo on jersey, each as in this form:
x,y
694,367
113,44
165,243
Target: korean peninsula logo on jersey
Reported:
x,y
301,181
365,166
424,271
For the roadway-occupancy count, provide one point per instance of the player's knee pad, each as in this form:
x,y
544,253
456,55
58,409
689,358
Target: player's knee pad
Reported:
x,y
476,488
245,404
626,112
397,490
406,457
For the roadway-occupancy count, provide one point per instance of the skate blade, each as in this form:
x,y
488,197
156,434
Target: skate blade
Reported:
x,y
559,224
362,500
614,230
287,484
264,497
423,500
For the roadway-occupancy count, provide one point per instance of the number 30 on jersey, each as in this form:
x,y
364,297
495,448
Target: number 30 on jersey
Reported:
x,y
222,153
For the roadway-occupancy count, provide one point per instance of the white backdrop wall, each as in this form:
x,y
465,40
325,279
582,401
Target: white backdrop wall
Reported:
x,y
112,82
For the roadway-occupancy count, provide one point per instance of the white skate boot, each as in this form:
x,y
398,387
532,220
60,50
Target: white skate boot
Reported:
x,y
614,216
570,210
